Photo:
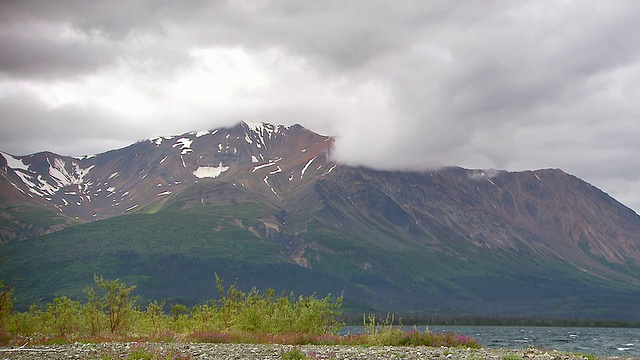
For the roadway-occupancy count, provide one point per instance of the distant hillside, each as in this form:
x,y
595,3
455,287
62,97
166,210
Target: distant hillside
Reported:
x,y
269,206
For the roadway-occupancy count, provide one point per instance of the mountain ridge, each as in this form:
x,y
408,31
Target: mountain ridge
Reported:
x,y
518,241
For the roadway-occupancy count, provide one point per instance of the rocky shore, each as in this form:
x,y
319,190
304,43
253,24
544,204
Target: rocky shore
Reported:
x,y
270,351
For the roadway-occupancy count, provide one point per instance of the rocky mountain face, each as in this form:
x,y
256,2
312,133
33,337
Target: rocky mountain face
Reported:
x,y
266,158
268,204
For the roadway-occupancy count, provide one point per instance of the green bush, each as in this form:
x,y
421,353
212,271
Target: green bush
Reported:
x,y
6,304
110,314
257,312
62,316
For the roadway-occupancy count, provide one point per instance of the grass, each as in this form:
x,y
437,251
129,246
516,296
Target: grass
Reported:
x,y
587,356
145,352
511,357
293,354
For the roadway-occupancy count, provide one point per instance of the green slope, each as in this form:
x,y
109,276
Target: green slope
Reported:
x,y
25,220
168,254
173,253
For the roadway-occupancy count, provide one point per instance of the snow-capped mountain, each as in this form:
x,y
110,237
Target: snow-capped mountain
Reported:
x,y
269,204
124,180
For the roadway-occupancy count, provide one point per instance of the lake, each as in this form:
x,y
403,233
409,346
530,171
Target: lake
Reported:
x,y
596,341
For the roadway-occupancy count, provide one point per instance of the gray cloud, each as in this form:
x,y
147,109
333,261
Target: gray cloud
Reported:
x,y
403,85
29,55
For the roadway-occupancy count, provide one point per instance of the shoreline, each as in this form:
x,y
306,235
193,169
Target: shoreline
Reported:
x,y
275,351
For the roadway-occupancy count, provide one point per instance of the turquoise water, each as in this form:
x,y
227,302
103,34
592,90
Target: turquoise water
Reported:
x,y
596,341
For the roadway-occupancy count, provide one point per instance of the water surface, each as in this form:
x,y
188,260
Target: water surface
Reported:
x,y
596,341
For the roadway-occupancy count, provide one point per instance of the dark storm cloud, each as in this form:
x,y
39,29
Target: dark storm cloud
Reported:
x,y
28,55
24,120
114,18
403,85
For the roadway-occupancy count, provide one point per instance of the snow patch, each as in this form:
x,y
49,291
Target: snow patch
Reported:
x,y
304,169
263,166
330,169
164,193
210,171
163,159
254,159
266,181
112,175
45,186
132,207
14,162
185,145
58,172
262,131
62,177
202,133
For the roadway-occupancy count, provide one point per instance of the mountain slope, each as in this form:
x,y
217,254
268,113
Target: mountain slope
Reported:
x,y
120,181
268,205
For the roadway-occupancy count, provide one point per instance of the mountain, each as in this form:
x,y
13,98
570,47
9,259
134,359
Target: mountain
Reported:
x,y
268,205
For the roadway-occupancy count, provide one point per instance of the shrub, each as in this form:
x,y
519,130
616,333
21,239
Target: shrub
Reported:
x,y
237,317
293,354
6,304
63,316
386,333
111,301
254,311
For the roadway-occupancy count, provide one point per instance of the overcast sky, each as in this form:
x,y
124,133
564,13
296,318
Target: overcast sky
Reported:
x,y
402,84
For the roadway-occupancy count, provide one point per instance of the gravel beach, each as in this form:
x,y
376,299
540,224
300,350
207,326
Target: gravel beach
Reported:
x,y
271,351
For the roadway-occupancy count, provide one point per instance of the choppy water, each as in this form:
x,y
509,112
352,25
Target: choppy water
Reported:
x,y
596,341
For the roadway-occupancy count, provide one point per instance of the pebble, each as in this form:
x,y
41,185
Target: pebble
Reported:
x,y
274,351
